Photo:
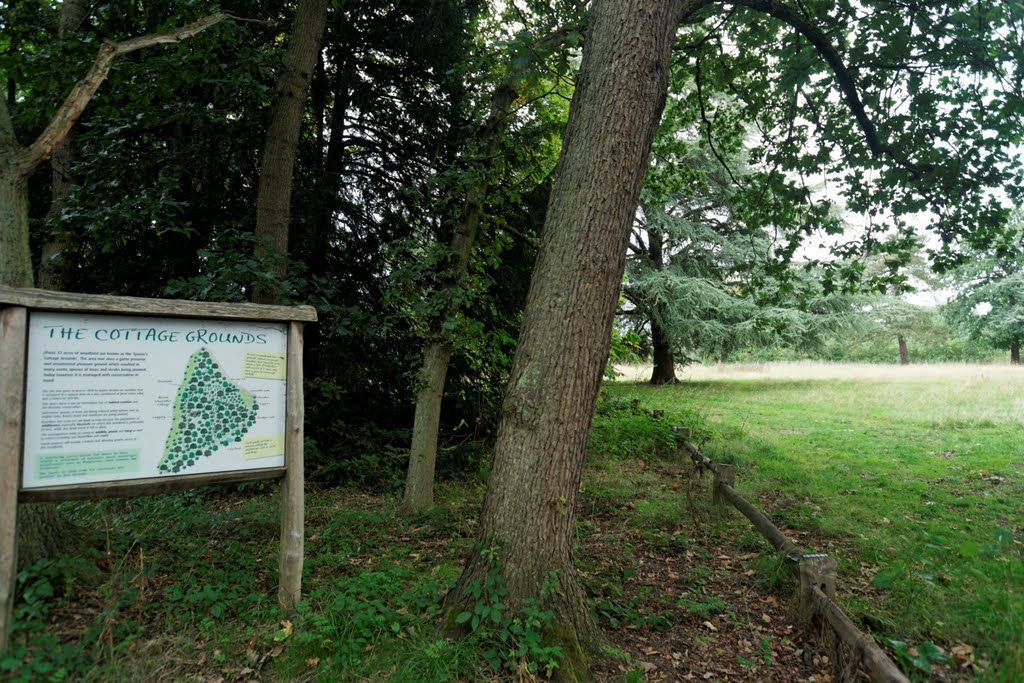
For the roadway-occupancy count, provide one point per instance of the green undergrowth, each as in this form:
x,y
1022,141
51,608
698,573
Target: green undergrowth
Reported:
x,y
189,594
915,489
915,484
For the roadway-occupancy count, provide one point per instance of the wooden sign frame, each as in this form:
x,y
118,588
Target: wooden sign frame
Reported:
x,y
15,306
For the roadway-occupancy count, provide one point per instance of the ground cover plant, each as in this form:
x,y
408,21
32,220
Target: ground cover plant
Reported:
x,y
912,477
188,593
681,590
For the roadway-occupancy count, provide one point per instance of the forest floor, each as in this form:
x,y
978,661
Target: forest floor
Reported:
x,y
683,590
678,600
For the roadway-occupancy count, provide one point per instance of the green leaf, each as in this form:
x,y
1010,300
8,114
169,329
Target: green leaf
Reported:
x,y
463,617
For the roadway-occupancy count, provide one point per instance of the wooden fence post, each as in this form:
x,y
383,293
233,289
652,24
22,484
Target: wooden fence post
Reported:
x,y
13,325
682,433
816,570
293,487
724,474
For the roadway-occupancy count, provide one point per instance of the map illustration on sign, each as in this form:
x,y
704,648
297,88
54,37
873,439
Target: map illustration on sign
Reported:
x,y
209,413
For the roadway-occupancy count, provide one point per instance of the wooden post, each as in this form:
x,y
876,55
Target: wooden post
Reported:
x,y
13,326
292,488
682,433
724,474
816,570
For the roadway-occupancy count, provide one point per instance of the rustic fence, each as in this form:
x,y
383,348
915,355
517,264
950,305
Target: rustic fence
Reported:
x,y
816,573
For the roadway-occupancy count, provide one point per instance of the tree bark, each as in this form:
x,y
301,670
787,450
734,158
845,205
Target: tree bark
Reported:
x,y
528,518
1015,351
904,353
419,483
273,200
15,257
54,266
664,359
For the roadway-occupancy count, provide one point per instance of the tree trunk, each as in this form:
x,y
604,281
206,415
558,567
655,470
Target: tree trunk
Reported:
x,y
54,265
664,360
273,201
42,530
419,482
1015,351
323,226
15,256
904,353
528,518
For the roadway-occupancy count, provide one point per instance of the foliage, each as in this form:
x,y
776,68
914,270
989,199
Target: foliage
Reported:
x,y
989,304
504,639
900,77
626,429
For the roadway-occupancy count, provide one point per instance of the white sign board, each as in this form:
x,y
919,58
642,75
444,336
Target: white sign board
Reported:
x,y
114,398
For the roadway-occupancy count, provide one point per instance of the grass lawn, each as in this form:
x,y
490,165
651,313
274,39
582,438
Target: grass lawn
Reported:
x,y
913,476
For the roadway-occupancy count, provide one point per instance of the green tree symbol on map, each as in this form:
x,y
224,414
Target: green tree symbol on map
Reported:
x,y
209,413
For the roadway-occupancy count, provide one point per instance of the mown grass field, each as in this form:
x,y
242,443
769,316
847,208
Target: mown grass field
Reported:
x,y
914,476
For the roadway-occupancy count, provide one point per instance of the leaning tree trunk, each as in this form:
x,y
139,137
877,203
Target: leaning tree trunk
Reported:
x,y
273,200
419,482
1015,351
664,359
528,518
904,353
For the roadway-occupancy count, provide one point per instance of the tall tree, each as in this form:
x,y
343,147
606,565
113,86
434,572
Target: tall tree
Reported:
x,y
17,163
528,516
53,263
273,202
528,519
43,531
989,303
898,319
522,68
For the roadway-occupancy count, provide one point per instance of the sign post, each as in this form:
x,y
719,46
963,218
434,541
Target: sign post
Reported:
x,y
117,396
12,391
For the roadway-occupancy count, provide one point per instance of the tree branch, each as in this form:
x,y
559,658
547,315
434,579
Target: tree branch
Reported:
x,y
824,46
522,237
84,89
698,81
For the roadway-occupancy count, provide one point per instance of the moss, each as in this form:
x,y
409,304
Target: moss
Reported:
x,y
574,664
450,627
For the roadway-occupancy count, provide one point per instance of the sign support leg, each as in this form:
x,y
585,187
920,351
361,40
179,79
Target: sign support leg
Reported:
x,y
13,325
292,488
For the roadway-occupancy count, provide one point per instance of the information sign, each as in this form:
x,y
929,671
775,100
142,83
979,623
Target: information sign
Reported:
x,y
113,397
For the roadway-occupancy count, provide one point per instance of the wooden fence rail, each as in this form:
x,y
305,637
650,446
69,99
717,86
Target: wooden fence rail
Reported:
x,y
816,572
